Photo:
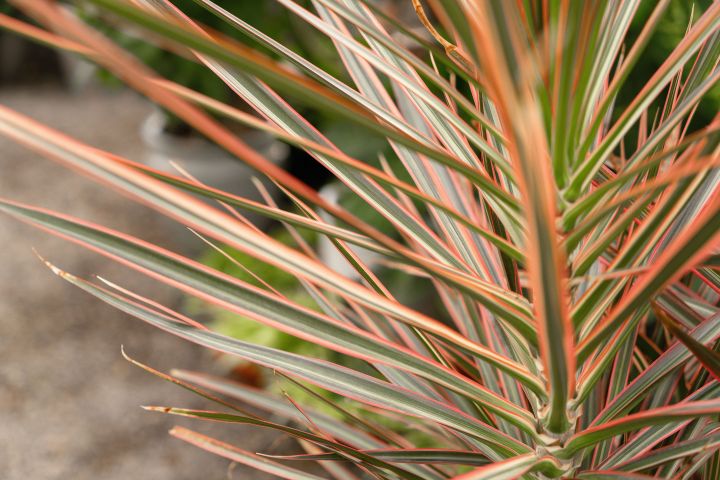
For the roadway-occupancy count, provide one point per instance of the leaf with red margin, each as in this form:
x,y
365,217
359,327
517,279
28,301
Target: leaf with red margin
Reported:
x,y
708,357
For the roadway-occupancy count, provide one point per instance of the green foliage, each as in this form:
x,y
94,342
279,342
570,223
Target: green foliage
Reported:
x,y
266,16
551,182
670,30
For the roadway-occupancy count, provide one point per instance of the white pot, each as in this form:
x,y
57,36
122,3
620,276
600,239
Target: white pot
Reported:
x,y
327,251
207,162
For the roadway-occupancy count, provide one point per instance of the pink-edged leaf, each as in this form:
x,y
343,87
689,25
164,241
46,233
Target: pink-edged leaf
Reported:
x,y
612,475
418,455
672,452
674,357
214,223
300,434
263,306
341,380
695,243
240,456
271,403
709,358
514,468
498,27
636,421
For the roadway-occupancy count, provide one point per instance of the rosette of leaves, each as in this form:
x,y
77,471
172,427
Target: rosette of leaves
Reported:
x,y
548,216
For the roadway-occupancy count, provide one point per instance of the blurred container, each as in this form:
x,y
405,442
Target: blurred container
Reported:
x,y
207,162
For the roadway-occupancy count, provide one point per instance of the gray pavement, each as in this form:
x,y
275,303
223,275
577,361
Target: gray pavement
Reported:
x,y
69,403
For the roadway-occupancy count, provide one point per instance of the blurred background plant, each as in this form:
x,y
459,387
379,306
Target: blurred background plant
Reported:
x,y
269,17
277,22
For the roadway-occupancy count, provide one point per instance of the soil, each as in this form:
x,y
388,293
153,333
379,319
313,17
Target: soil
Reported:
x,y
69,403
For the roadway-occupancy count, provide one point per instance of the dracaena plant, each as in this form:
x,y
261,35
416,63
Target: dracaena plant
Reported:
x,y
559,227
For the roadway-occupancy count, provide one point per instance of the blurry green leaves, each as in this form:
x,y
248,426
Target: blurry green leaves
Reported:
x,y
670,31
267,16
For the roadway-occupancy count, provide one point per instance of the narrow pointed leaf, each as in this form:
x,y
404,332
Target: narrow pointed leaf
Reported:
x,y
240,456
708,357
248,300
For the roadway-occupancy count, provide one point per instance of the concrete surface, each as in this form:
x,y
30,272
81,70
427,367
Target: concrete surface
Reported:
x,y
69,403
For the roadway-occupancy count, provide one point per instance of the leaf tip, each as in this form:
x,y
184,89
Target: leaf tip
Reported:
x,y
124,354
154,408
53,268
